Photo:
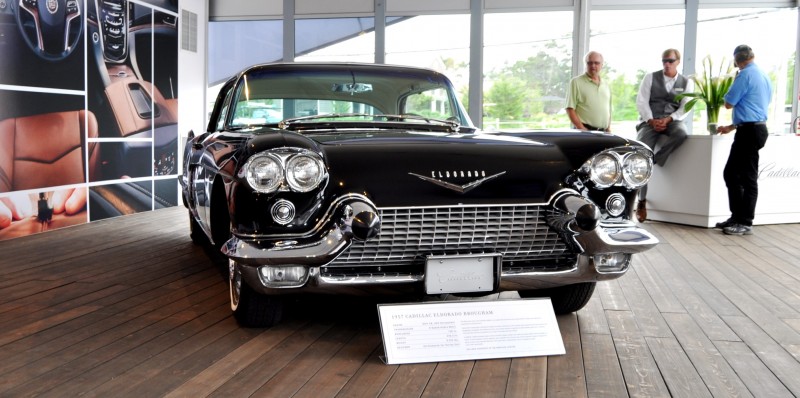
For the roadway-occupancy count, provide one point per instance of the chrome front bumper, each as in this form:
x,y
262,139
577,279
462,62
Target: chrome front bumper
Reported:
x,y
576,220
584,271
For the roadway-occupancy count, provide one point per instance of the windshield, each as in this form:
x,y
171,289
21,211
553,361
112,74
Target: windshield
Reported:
x,y
267,95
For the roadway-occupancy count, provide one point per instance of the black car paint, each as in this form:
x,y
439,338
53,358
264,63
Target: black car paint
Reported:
x,y
377,164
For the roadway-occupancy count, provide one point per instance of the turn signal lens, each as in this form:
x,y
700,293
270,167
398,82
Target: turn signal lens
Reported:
x,y
611,262
288,276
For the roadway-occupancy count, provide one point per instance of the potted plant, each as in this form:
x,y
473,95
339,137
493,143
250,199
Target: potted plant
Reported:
x,y
710,89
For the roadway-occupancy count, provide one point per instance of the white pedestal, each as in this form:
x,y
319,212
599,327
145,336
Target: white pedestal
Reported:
x,y
690,189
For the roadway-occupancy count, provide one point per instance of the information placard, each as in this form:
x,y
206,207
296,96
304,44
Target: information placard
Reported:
x,y
468,330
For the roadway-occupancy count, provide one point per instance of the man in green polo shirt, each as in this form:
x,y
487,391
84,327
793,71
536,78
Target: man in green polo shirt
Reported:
x,y
589,97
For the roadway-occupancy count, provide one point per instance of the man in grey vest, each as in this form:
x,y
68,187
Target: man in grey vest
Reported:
x,y
661,117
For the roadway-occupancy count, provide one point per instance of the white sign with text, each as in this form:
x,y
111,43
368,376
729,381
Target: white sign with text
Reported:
x,y
468,330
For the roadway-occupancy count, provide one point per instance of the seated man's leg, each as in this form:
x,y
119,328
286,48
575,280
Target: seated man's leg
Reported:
x,y
647,135
674,137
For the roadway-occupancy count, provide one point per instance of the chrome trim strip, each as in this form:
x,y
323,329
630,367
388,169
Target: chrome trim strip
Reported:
x,y
583,271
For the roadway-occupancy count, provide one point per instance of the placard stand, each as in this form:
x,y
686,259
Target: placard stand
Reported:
x,y
469,330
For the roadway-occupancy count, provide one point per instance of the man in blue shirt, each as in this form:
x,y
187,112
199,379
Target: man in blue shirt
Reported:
x,y
749,96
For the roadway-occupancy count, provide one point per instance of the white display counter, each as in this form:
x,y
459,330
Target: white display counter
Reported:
x,y
690,188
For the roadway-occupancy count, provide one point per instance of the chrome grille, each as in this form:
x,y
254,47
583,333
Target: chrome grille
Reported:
x,y
408,235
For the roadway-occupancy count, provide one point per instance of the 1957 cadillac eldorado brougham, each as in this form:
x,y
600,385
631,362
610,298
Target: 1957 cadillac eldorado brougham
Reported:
x,y
371,179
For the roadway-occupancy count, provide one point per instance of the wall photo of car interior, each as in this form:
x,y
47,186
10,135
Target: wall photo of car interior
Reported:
x,y
89,93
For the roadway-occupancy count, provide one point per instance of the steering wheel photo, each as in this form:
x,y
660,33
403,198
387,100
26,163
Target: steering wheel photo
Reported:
x,y
51,28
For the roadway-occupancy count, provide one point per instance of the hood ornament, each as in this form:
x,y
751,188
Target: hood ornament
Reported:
x,y
456,187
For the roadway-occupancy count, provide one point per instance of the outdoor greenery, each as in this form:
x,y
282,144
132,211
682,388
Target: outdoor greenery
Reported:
x,y
531,93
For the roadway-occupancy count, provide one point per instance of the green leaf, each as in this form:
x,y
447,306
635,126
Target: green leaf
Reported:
x,y
710,88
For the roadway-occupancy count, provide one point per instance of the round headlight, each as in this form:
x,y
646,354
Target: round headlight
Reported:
x,y
264,173
636,169
605,170
304,172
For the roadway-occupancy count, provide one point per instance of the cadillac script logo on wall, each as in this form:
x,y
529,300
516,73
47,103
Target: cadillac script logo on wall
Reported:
x,y
773,170
437,177
52,6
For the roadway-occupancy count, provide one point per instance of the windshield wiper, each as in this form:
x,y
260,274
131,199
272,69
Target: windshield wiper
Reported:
x,y
389,120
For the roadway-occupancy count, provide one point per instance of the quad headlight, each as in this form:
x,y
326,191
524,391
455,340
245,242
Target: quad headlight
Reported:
x,y
304,172
611,167
636,169
284,169
264,172
605,170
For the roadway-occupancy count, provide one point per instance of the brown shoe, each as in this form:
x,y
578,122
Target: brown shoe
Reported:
x,y
641,211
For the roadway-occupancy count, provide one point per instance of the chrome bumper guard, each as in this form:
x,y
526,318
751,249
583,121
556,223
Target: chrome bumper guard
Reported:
x,y
353,218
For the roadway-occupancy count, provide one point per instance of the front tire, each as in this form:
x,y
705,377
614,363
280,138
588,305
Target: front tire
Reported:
x,y
250,308
565,299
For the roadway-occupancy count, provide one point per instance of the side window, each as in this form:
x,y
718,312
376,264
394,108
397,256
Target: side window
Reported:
x,y
432,103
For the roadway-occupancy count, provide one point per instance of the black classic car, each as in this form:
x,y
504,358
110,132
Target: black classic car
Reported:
x,y
371,179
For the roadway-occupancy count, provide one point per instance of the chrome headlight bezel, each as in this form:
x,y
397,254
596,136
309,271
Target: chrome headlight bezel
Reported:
x,y
286,160
625,166
296,182
250,172
636,169
605,169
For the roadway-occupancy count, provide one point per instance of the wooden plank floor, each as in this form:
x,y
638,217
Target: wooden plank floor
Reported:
x,y
129,307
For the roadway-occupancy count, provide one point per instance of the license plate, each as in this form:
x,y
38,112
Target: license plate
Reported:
x,y
461,274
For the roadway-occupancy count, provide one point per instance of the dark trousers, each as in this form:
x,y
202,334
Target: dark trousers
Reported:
x,y
741,171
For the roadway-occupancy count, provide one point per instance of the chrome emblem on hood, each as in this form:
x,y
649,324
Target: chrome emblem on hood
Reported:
x,y
436,178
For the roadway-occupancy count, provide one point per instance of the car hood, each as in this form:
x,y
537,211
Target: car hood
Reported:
x,y
407,168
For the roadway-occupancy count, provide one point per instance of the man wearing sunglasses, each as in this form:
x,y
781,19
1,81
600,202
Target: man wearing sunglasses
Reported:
x,y
662,118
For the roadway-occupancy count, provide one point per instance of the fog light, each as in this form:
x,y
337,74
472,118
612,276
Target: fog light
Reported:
x,y
611,262
615,204
291,276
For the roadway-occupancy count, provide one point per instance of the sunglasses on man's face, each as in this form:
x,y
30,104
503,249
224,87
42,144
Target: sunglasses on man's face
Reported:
x,y
668,60
593,63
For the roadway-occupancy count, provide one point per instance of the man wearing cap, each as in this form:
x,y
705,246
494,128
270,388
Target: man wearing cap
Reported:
x,y
749,96
661,116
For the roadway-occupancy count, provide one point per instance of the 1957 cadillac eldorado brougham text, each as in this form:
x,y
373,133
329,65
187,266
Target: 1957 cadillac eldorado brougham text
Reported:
x,y
370,179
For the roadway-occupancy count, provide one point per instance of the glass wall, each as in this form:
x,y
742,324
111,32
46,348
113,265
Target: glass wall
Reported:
x,y
232,45
771,33
528,54
335,40
631,42
527,67
438,42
